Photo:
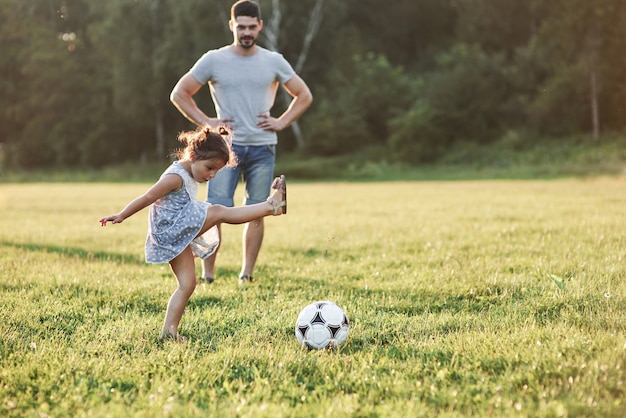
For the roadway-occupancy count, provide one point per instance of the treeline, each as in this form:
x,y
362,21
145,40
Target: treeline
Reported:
x,y
86,82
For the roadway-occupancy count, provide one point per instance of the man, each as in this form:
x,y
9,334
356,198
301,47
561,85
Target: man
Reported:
x,y
243,79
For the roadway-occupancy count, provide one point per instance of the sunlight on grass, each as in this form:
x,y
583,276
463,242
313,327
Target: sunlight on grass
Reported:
x,y
501,298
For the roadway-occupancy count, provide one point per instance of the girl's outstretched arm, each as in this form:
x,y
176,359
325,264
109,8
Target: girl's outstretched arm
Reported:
x,y
166,184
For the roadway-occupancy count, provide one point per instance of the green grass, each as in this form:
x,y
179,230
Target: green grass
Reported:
x,y
473,298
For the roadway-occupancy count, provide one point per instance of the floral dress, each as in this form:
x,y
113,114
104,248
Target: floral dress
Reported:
x,y
176,219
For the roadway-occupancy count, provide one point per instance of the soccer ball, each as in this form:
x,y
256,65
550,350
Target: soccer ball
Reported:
x,y
322,324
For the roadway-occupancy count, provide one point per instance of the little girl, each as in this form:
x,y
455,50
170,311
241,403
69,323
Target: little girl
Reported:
x,y
180,226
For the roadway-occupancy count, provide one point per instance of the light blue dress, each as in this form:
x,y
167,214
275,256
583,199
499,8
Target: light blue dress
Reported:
x,y
176,219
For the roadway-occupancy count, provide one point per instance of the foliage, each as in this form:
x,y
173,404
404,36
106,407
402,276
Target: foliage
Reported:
x,y
497,26
585,40
465,99
355,114
85,83
517,154
471,298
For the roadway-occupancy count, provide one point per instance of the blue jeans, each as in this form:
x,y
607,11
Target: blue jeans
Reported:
x,y
256,164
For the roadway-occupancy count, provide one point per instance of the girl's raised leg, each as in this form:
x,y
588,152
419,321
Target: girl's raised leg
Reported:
x,y
242,214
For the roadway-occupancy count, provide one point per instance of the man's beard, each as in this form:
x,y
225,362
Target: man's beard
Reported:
x,y
250,42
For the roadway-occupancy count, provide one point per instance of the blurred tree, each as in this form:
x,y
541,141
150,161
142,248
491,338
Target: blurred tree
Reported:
x,y
354,112
52,100
133,72
466,99
408,32
495,25
85,82
271,32
14,35
584,43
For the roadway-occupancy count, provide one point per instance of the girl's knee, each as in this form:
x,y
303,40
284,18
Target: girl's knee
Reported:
x,y
188,288
187,285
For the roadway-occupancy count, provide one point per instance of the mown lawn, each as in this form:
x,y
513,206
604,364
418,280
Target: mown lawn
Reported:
x,y
466,298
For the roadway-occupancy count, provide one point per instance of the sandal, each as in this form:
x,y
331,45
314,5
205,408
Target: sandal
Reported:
x,y
280,183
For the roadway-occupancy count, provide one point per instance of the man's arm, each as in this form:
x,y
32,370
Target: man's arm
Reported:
x,y
302,99
182,98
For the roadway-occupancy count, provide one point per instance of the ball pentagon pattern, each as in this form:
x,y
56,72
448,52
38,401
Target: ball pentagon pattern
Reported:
x,y
322,324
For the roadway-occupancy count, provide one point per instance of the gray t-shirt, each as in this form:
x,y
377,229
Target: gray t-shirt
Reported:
x,y
243,87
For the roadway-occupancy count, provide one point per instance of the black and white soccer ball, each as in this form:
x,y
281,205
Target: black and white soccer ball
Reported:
x,y
322,324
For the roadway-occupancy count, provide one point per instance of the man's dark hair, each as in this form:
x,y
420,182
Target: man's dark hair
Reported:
x,y
245,8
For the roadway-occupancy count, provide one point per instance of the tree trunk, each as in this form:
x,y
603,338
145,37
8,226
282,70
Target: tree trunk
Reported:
x,y
593,44
315,21
159,132
272,31
595,119
156,73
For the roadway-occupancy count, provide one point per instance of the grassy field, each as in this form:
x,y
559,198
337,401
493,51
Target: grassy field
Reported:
x,y
475,298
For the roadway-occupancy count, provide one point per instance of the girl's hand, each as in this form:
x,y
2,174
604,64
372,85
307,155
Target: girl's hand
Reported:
x,y
116,219
162,187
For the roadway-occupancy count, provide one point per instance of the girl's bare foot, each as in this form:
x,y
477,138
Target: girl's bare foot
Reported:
x,y
166,336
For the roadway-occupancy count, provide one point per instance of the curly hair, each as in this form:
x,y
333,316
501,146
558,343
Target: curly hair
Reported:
x,y
207,143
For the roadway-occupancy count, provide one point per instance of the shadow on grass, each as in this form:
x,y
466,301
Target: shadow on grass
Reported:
x,y
76,252
203,302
